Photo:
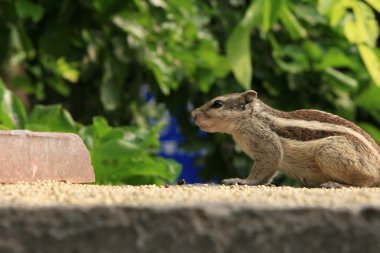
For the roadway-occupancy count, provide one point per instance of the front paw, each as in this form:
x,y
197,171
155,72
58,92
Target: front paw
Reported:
x,y
237,181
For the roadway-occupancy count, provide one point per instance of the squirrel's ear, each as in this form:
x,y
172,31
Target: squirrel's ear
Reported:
x,y
249,96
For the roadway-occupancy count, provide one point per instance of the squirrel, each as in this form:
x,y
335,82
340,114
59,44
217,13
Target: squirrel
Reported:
x,y
314,147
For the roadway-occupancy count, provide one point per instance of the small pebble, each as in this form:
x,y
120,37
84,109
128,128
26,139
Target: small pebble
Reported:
x,y
181,182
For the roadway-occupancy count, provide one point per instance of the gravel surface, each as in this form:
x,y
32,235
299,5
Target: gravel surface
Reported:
x,y
55,194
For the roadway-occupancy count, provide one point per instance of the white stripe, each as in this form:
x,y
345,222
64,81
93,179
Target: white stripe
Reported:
x,y
316,125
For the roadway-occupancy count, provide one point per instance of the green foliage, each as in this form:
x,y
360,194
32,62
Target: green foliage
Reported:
x,y
12,112
51,118
119,155
360,27
94,56
239,48
126,155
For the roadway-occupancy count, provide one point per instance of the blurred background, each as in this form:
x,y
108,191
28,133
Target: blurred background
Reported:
x,y
124,75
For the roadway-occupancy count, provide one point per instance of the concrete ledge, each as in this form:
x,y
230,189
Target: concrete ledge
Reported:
x,y
86,218
211,229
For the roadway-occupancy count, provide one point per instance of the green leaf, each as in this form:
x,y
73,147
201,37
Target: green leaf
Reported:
x,y
28,9
130,27
59,85
372,61
112,84
184,5
146,138
372,130
104,132
152,136
163,73
337,12
87,133
369,98
239,55
23,82
160,3
335,57
369,22
123,155
206,79
208,58
22,44
106,7
12,111
67,70
101,126
361,27
171,168
324,6
252,14
119,148
376,115
51,118
291,23
309,14
239,48
3,127
59,68
375,4
291,58
345,80
117,160
270,11
312,49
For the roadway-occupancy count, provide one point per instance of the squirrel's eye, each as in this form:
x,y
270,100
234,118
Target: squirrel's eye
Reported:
x,y
217,104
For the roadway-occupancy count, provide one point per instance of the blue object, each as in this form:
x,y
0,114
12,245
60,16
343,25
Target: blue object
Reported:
x,y
170,140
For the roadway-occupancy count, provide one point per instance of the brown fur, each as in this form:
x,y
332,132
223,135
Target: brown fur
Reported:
x,y
314,147
320,116
297,133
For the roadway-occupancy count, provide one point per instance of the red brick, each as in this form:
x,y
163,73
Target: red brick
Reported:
x,y
31,156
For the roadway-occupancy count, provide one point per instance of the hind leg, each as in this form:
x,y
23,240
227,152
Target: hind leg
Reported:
x,y
346,162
